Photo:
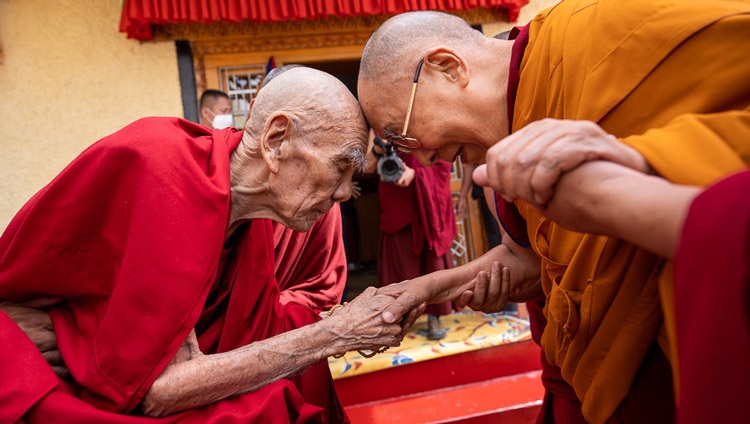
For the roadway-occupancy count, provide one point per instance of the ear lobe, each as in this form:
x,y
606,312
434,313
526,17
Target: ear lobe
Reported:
x,y
449,63
277,131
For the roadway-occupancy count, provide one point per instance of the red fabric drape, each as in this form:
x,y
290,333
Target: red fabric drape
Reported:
x,y
139,16
130,236
310,267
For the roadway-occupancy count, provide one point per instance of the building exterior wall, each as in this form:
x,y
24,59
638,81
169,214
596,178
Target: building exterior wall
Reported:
x,y
68,78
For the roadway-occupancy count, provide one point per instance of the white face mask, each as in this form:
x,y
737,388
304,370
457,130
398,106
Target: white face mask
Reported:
x,y
222,121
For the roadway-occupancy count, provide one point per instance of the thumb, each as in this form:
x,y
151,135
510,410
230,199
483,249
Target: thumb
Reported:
x,y
480,176
396,310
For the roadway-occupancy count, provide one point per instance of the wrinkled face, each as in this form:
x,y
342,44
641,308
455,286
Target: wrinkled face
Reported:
x,y
434,121
312,180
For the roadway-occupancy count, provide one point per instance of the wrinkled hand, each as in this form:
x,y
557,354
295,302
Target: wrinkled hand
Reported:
x,y
359,325
407,177
36,323
528,163
412,296
356,189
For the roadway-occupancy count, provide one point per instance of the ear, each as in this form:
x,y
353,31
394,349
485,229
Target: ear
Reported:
x,y
277,132
205,115
449,63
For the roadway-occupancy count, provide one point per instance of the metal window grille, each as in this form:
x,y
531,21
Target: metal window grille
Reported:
x,y
241,83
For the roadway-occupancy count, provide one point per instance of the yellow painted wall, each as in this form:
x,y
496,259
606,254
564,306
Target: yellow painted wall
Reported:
x,y
68,78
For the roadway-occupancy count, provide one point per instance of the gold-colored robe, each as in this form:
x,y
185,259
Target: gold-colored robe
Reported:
x,y
672,80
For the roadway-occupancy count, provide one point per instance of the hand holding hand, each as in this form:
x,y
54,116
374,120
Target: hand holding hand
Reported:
x,y
528,163
358,325
490,292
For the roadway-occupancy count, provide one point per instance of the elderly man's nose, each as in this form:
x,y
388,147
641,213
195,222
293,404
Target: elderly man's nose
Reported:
x,y
343,192
426,157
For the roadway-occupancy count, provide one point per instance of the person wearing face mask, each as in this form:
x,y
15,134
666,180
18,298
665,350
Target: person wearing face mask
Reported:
x,y
216,110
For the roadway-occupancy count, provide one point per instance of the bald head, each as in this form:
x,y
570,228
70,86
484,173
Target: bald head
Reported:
x,y
404,38
320,105
459,103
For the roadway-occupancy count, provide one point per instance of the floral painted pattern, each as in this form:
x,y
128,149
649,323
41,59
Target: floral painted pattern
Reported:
x,y
466,331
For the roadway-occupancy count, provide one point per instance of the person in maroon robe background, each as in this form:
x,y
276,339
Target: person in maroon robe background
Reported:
x,y
157,248
417,226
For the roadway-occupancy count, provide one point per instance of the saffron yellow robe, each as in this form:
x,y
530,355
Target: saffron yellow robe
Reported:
x,y
672,80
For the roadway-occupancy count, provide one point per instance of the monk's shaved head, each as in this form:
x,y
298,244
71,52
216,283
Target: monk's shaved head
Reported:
x,y
396,47
317,102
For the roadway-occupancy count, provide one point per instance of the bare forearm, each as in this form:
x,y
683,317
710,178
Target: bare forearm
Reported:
x,y
449,284
194,380
207,379
606,198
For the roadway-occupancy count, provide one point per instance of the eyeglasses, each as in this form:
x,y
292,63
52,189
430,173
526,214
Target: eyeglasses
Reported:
x,y
402,142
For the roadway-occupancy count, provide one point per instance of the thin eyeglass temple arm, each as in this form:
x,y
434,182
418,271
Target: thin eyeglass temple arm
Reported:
x,y
411,97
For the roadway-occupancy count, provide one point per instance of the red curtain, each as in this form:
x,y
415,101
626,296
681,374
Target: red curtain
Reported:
x,y
138,16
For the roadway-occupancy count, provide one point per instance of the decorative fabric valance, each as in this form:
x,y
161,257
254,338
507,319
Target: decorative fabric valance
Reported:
x,y
139,16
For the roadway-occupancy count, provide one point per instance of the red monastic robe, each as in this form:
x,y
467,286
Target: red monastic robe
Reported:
x,y
311,266
131,235
712,305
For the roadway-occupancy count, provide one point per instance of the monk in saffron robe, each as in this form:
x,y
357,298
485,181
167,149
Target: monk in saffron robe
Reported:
x,y
707,233
583,81
417,226
157,243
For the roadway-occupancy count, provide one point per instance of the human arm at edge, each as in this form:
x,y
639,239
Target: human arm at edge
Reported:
x,y
193,379
606,198
449,284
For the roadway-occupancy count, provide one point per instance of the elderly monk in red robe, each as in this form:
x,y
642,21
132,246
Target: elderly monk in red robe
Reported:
x,y
658,86
157,242
417,226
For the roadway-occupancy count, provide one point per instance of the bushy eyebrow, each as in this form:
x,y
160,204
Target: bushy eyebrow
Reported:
x,y
355,157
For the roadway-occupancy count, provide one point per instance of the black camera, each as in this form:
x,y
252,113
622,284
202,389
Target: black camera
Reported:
x,y
390,166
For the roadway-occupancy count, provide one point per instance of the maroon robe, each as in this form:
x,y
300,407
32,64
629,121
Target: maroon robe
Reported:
x,y
712,305
131,236
417,226
311,266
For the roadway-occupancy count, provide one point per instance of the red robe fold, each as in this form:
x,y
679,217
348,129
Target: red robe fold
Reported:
x,y
131,236
712,273
311,266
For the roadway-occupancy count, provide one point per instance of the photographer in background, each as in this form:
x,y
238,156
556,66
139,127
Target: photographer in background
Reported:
x,y
417,220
